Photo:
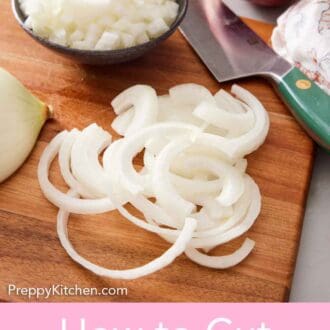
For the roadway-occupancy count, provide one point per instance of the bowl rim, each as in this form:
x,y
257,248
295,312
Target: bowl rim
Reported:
x,y
18,13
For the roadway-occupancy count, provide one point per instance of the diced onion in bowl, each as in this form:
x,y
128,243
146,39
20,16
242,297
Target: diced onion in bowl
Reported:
x,y
99,24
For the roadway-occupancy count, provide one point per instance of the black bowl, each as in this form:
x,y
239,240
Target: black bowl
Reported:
x,y
102,57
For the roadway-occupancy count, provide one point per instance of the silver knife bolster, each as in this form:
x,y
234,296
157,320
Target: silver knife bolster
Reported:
x,y
280,69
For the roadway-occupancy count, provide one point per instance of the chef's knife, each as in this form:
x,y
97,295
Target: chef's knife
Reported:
x,y
231,50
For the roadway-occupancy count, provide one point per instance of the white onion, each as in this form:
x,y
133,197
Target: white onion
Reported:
x,y
171,111
110,165
203,196
121,123
238,230
233,185
217,211
222,262
60,199
135,143
64,160
85,160
143,100
191,94
167,197
256,137
227,102
167,258
195,190
235,124
99,24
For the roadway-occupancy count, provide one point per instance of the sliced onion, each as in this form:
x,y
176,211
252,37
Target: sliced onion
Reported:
x,y
153,211
255,138
191,94
121,123
143,99
204,221
171,111
244,215
167,196
196,190
227,102
217,211
60,199
85,160
64,159
167,258
242,165
110,166
135,143
193,144
222,262
235,148
238,230
236,124
233,183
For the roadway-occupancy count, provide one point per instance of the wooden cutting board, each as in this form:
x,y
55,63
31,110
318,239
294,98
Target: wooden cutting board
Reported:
x,y
30,253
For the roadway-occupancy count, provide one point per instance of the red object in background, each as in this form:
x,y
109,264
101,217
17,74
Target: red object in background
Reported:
x,y
271,3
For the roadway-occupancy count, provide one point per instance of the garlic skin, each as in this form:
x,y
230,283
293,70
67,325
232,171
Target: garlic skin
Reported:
x,y
22,116
303,38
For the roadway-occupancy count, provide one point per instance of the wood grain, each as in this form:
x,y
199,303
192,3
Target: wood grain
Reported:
x,y
30,253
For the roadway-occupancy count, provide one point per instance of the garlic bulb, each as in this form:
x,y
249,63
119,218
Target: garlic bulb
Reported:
x,y
22,116
303,38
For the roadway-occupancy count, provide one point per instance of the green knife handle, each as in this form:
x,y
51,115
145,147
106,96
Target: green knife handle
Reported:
x,y
308,103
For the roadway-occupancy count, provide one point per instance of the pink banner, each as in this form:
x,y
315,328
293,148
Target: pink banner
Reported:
x,y
164,316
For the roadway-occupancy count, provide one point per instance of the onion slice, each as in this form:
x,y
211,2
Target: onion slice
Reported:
x,y
135,143
166,195
85,159
143,99
235,123
64,159
60,199
222,262
191,94
192,190
166,259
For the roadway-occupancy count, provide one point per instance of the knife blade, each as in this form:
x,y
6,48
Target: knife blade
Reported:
x,y
231,50
228,47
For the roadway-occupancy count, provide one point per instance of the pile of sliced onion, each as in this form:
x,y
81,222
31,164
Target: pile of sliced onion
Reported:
x,y
193,189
